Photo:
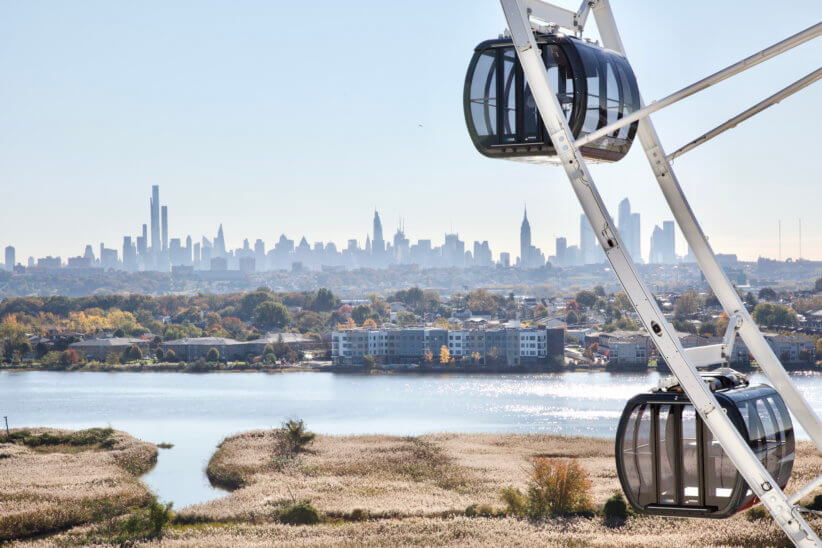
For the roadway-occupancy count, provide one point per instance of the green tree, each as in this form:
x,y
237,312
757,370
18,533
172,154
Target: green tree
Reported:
x,y
271,314
323,301
767,294
586,299
407,319
213,355
132,353
774,314
250,301
599,291
170,356
817,286
360,313
368,361
571,318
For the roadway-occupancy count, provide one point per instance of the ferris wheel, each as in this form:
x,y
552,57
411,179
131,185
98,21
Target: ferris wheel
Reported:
x,y
707,443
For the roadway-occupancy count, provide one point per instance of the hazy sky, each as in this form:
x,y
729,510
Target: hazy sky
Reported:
x,y
299,118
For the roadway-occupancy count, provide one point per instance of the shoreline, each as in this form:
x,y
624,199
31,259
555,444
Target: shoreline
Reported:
x,y
325,367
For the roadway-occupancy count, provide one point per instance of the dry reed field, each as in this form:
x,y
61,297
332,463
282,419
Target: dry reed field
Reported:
x,y
62,479
391,491
416,490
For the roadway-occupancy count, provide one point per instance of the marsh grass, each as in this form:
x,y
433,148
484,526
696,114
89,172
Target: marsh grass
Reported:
x,y
98,439
55,479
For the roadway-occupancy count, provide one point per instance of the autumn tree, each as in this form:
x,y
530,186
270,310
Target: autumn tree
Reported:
x,y
445,355
482,302
686,304
428,356
369,324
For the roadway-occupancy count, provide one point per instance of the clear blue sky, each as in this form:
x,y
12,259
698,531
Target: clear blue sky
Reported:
x,y
299,118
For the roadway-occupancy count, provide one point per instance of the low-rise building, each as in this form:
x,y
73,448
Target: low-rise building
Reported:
x,y
511,346
99,349
625,349
194,348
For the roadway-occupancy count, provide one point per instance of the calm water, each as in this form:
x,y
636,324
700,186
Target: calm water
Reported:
x,y
195,412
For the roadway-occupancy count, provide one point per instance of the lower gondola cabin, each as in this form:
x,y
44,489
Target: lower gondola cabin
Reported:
x,y
669,463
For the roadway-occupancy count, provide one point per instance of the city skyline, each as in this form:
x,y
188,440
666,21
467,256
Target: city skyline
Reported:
x,y
101,100
161,254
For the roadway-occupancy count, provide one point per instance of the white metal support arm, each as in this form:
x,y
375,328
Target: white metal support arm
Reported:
x,y
662,333
800,84
781,47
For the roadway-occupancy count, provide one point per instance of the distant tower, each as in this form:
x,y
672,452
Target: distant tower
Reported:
x,y
155,218
164,216
219,243
524,241
636,243
626,226
10,257
587,241
378,244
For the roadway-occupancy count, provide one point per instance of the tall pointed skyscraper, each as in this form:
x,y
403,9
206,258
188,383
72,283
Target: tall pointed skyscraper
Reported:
x,y
525,241
378,243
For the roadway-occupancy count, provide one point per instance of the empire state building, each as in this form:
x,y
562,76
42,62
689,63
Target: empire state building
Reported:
x,y
525,241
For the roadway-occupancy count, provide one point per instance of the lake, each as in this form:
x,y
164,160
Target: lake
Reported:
x,y
196,411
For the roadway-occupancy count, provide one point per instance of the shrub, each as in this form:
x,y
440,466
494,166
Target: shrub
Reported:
x,y
471,511
300,513
293,438
358,514
143,524
615,509
515,501
132,353
817,500
558,487
69,357
486,511
757,513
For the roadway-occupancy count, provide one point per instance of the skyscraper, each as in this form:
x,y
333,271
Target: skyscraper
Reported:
x,y
625,225
164,216
635,246
525,241
378,243
663,244
9,257
155,218
669,242
219,243
562,251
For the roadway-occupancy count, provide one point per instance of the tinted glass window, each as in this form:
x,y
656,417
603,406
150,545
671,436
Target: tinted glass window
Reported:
x,y
484,94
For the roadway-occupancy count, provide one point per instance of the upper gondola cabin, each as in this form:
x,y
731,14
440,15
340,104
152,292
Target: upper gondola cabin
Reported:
x,y
595,88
